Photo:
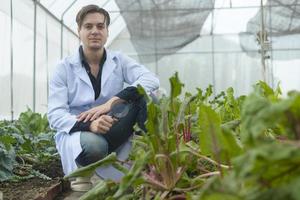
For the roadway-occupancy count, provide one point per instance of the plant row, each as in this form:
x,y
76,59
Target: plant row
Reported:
x,y
211,147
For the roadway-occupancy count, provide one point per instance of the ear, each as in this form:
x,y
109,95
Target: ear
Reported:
x,y
78,31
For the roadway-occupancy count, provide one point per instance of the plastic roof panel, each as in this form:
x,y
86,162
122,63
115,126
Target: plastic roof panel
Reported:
x,y
71,8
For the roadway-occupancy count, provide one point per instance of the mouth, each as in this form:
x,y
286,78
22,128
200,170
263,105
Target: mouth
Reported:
x,y
94,40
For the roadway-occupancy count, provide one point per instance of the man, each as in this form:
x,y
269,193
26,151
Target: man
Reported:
x,y
83,89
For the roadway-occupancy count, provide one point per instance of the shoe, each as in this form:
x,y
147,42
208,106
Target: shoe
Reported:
x,y
95,179
81,184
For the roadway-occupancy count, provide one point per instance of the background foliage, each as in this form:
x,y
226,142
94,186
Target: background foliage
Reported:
x,y
23,143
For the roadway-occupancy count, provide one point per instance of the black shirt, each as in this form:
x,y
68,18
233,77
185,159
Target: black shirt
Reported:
x,y
96,81
129,94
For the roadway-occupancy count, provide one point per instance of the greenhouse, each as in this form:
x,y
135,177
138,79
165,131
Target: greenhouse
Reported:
x,y
152,99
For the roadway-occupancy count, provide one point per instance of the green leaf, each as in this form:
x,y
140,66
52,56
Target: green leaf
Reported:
x,y
131,176
266,91
7,160
7,141
218,196
222,145
100,191
89,169
210,131
259,114
176,86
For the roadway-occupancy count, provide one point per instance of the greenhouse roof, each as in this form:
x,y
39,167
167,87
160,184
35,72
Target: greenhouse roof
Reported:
x,y
177,23
66,10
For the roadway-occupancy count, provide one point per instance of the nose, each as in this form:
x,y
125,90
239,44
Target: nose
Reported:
x,y
94,30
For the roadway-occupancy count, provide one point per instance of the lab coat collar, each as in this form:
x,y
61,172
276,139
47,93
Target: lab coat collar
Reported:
x,y
108,67
78,69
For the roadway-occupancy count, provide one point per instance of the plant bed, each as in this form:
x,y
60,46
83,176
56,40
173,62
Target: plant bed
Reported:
x,y
29,164
36,188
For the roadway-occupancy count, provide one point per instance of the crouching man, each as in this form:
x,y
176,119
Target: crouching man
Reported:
x,y
83,89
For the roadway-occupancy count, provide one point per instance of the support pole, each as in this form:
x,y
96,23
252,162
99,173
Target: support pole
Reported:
x,y
34,58
11,63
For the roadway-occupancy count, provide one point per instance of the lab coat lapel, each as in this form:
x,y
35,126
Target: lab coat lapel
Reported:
x,y
108,67
79,70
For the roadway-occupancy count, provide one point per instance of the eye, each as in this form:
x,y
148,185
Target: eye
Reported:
x,y
88,26
100,26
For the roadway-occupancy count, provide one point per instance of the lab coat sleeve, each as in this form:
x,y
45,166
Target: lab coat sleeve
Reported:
x,y
135,74
59,116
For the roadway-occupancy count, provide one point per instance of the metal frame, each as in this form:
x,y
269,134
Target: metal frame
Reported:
x,y
34,56
62,28
213,51
47,58
54,17
207,8
11,63
37,3
271,50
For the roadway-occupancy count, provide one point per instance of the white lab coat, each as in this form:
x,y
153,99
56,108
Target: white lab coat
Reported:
x,y
71,92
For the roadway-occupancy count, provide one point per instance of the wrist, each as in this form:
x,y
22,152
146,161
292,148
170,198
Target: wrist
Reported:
x,y
113,101
94,127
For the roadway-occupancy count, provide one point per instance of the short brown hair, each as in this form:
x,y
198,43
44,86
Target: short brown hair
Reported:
x,y
91,9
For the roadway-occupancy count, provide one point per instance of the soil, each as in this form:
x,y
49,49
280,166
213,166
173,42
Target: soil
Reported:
x,y
34,187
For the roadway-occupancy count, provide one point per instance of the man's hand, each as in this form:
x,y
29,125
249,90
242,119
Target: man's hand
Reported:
x,y
95,112
102,124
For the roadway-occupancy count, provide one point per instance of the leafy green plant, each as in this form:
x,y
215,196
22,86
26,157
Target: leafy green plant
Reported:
x,y
268,167
24,142
178,159
209,147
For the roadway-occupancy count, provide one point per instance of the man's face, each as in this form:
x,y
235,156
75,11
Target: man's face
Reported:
x,y
93,32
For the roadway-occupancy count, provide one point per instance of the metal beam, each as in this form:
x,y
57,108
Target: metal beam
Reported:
x,y
47,56
203,8
34,56
62,28
207,52
11,63
213,52
54,17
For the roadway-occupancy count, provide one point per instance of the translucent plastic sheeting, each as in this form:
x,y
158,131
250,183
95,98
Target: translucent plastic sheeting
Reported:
x,y
23,14
210,59
206,41
222,70
286,69
184,64
47,55
5,86
237,70
41,62
163,26
282,23
67,10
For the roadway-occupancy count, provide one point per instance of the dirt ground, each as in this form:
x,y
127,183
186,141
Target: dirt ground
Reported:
x,y
32,188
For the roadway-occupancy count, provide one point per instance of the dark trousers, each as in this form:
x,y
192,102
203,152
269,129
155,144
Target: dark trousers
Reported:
x,y
96,146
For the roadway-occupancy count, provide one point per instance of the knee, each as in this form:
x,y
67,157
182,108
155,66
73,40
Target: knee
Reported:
x,y
94,148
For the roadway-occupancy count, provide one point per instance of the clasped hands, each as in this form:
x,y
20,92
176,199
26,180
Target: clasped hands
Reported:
x,y
100,122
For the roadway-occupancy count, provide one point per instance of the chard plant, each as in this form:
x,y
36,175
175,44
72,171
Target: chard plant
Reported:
x,y
188,140
268,168
213,147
